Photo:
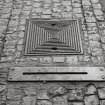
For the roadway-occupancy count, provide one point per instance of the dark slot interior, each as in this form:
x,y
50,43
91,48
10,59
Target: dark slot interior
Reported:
x,y
53,24
36,73
54,48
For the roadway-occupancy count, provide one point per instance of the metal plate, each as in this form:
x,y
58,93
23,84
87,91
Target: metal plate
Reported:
x,y
52,37
57,74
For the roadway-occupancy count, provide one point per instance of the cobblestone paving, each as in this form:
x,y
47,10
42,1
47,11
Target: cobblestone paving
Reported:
x,y
13,15
53,94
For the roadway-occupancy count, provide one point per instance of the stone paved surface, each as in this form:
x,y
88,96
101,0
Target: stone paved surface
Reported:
x,y
13,15
53,94
15,12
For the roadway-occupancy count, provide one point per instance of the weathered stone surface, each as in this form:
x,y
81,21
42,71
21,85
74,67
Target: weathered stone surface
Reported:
x,y
72,60
47,1
95,1
97,60
93,43
103,39
75,94
56,0
66,3
54,91
77,10
94,37
3,99
97,6
42,94
86,2
88,13
77,5
91,89
58,59
29,91
101,93
66,14
98,12
101,25
2,88
14,94
46,11
103,46
37,5
75,103
67,9
46,60
102,102
90,19
44,102
45,16
91,100
56,10
60,100
12,103
29,100
96,52
84,58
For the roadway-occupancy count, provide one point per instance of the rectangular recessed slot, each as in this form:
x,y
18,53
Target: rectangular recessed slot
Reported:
x,y
42,73
52,37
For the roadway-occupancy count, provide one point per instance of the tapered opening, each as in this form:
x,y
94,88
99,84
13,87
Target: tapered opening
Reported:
x,y
53,24
54,48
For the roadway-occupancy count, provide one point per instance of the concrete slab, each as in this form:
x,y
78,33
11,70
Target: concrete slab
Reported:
x,y
57,74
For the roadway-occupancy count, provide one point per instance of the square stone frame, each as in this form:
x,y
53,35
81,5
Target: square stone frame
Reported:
x,y
53,19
